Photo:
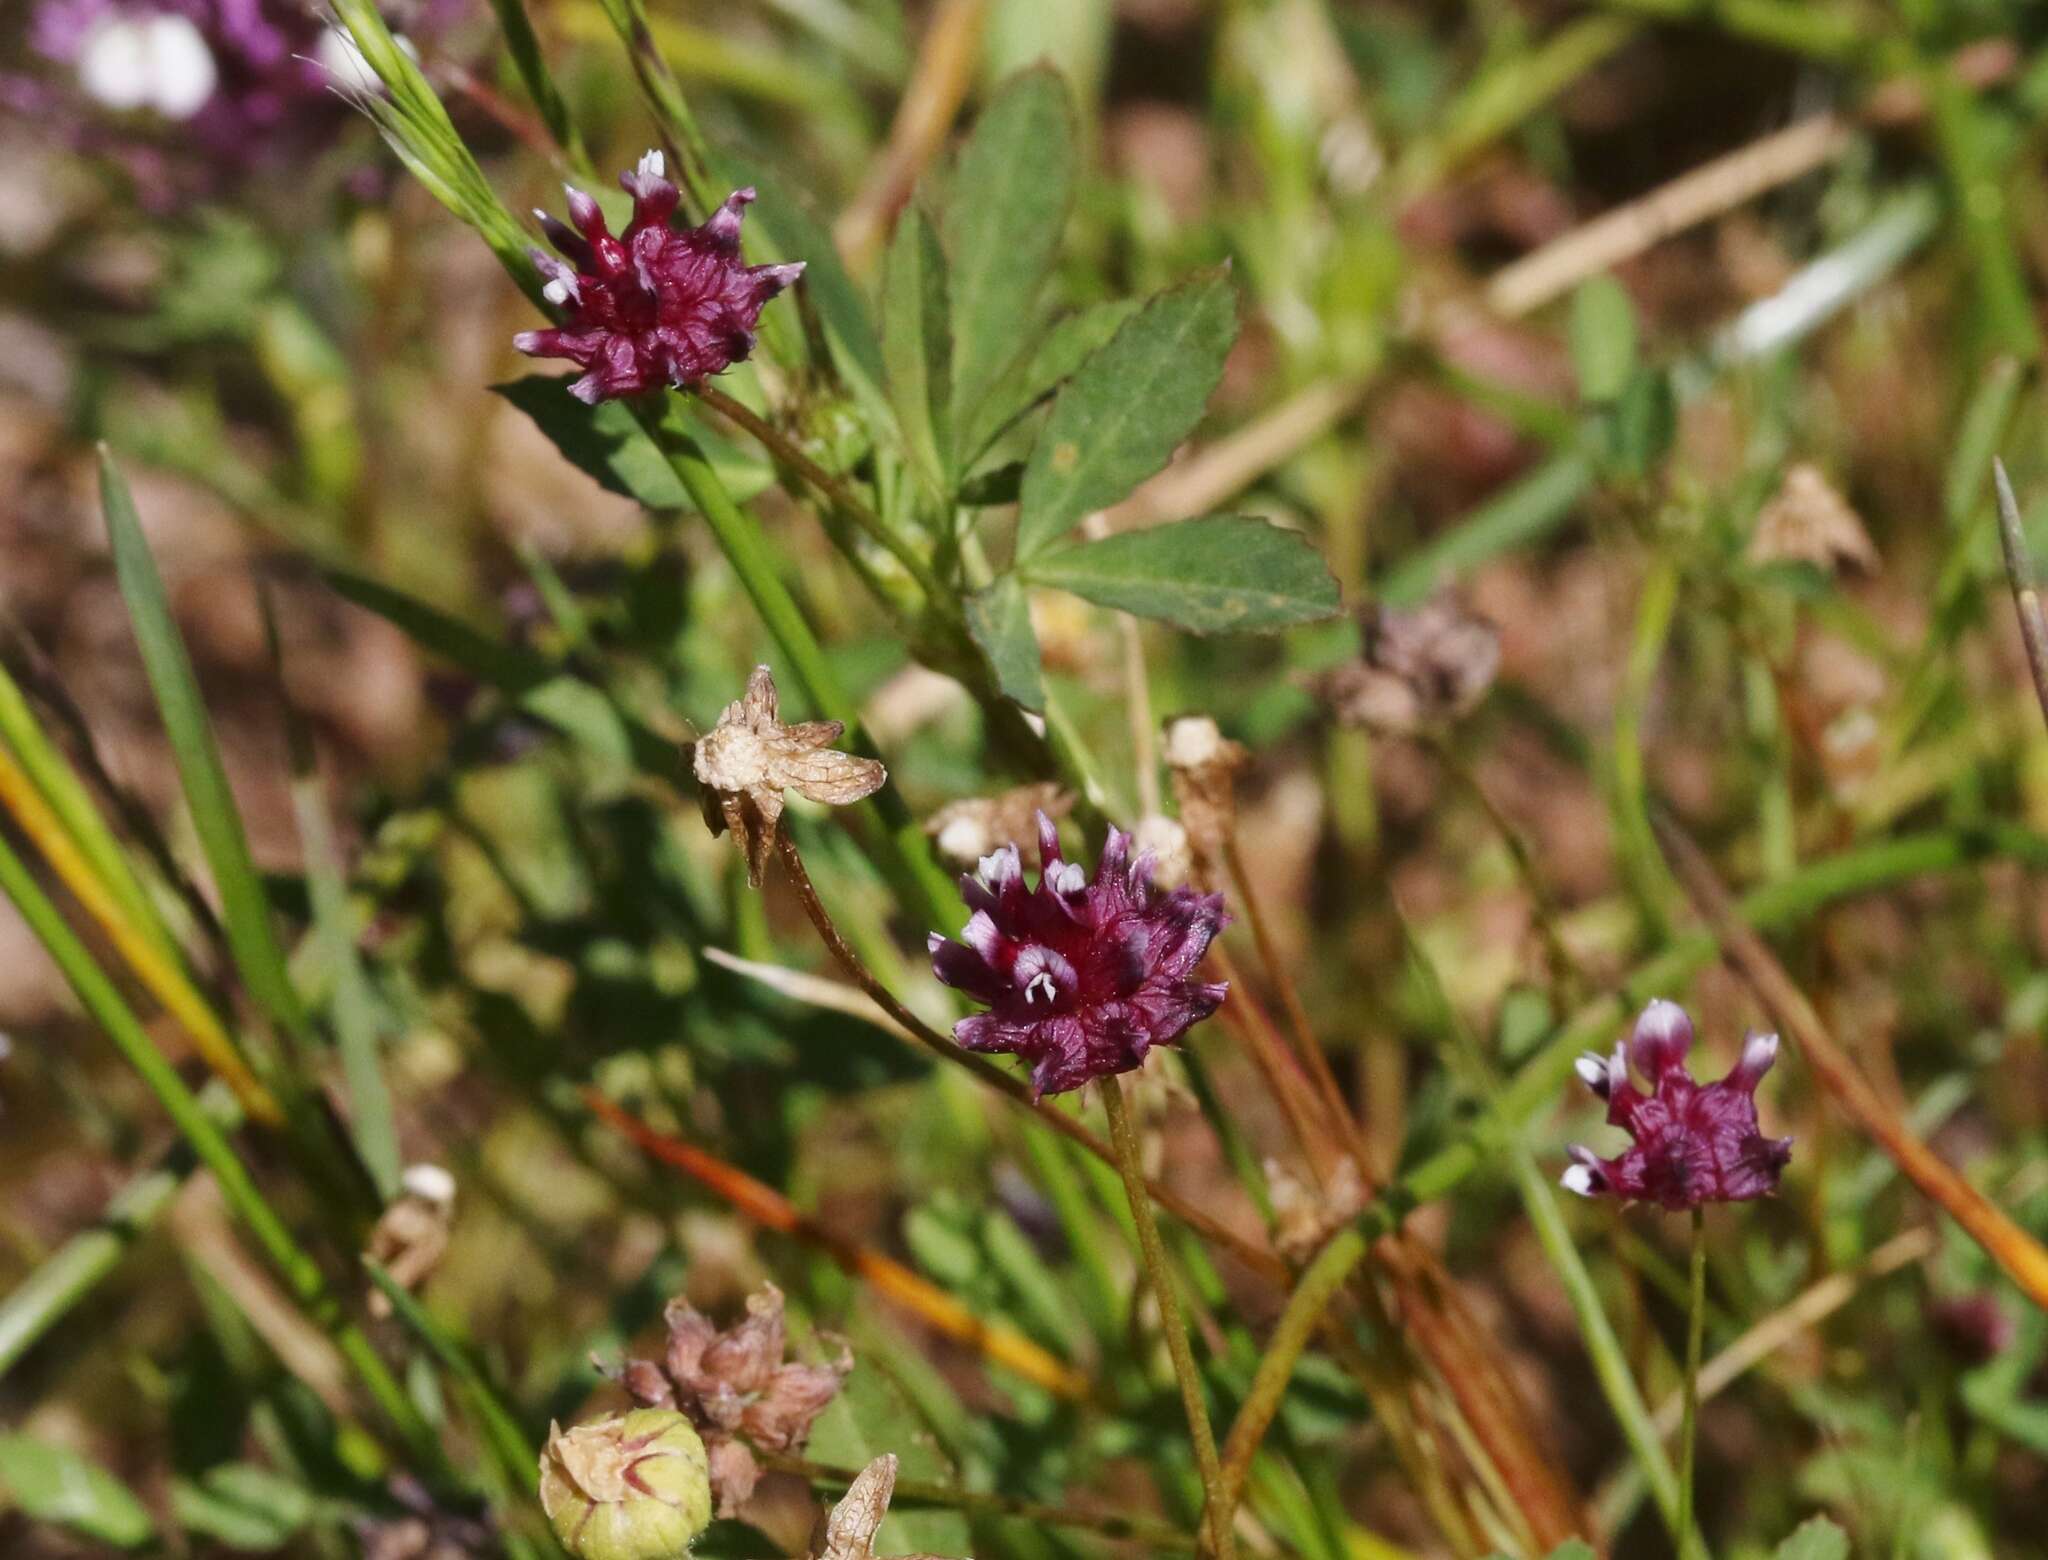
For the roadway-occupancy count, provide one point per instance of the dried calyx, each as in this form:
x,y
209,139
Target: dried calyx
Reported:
x,y
1204,765
750,758
965,831
850,1529
1420,667
737,1388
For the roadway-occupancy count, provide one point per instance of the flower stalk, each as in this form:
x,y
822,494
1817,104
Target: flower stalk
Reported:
x,y
1152,1252
1688,1431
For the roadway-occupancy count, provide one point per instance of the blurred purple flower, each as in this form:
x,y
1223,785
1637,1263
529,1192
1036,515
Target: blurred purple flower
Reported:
x,y
1080,978
190,93
657,305
1694,1143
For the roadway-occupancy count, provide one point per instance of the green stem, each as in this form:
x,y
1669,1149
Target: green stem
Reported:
x,y
293,1264
1320,1281
898,841
1216,1504
1688,1432
531,62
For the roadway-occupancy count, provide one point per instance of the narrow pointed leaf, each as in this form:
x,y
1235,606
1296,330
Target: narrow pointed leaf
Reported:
x,y
1120,416
1008,207
245,908
1223,574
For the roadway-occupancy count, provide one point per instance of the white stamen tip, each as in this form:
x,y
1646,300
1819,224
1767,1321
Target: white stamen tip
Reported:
x,y
557,292
653,162
1577,1178
1066,877
1041,979
1592,1071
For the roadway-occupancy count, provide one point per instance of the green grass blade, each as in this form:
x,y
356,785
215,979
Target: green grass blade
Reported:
x,y
245,907
73,804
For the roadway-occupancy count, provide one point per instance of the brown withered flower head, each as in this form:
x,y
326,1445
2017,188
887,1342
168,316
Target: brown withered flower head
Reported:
x,y
737,1388
1204,764
963,832
750,758
1420,667
1807,521
850,1529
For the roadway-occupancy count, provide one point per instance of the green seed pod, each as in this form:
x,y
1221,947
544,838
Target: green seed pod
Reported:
x,y
631,1487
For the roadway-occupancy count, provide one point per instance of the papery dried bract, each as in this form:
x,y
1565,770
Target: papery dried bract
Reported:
x,y
750,758
850,1529
1807,521
1081,978
656,305
1694,1143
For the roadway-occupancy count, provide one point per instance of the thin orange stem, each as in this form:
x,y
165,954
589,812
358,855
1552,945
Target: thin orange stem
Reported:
x,y
768,1208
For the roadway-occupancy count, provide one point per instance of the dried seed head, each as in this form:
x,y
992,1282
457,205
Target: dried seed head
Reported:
x,y
1423,666
628,1487
1204,764
1809,522
736,1383
750,758
963,832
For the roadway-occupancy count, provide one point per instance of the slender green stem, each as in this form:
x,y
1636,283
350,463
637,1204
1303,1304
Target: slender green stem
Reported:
x,y
1688,1431
833,489
531,61
899,843
1216,1504
1319,1284
1539,1201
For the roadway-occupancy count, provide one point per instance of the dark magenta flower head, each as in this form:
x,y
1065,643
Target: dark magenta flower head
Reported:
x,y
1694,1143
1080,978
656,305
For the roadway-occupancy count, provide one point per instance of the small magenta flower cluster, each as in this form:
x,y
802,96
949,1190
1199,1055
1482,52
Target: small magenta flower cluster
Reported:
x,y
1694,1143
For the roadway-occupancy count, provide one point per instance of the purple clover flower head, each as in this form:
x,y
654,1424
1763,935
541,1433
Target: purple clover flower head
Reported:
x,y
1080,978
657,305
1694,1143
